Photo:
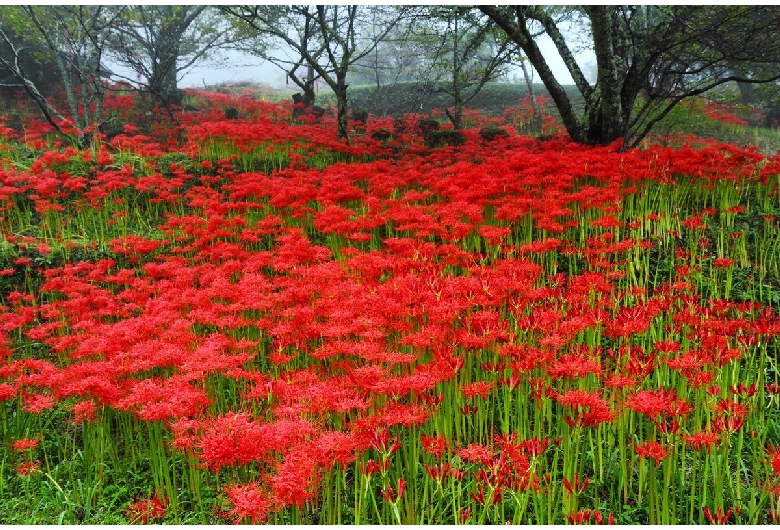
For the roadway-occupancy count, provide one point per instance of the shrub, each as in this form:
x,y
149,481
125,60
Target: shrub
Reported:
x,y
444,138
427,125
360,115
382,135
491,132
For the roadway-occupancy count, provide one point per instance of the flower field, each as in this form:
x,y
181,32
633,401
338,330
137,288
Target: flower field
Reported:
x,y
247,321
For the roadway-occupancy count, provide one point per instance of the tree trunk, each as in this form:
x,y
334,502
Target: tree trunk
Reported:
x,y
341,107
536,123
748,93
603,118
163,83
518,32
456,117
308,89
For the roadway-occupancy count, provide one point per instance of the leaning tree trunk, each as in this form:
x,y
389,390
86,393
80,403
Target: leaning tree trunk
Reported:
x,y
518,31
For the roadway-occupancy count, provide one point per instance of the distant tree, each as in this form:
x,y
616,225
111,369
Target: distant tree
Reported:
x,y
450,50
466,51
159,43
536,123
402,56
292,60
334,45
71,39
649,58
397,57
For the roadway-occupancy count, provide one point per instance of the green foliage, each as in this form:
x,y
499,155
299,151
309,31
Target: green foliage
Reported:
x,y
492,132
445,138
382,135
411,98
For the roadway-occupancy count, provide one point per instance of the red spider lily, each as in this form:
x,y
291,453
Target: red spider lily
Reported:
x,y
479,496
391,496
690,362
590,407
573,367
478,388
476,453
296,478
28,468
380,441
375,467
585,515
36,403
694,223
652,450
512,381
235,439
493,235
699,379
667,425
667,346
619,380
657,403
774,459
540,389
722,263
534,447
25,444
742,389
7,391
577,487
731,417
146,510
435,445
438,472
468,410
457,474
719,517
638,362
508,470
702,439
376,329
249,501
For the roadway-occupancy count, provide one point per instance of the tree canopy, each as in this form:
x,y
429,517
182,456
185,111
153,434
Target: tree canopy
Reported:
x,y
649,58
326,38
159,42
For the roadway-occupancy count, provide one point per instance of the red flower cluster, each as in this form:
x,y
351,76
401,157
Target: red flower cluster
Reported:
x,y
336,303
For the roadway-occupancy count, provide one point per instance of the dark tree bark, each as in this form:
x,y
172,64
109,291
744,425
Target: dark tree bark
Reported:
x,y
649,58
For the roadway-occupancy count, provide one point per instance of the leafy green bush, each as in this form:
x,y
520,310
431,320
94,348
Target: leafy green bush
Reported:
x,y
492,132
444,138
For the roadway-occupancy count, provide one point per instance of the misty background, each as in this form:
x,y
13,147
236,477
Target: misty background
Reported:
x,y
236,67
